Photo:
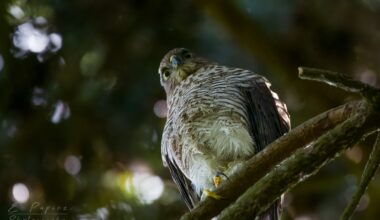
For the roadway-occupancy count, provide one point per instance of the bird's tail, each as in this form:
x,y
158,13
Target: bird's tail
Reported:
x,y
272,213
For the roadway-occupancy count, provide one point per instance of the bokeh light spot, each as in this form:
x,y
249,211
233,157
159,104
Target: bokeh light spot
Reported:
x,y
72,165
355,154
91,62
368,76
145,186
20,193
109,179
61,111
160,108
33,36
16,12
40,20
29,38
9,127
363,203
56,41
38,97
102,213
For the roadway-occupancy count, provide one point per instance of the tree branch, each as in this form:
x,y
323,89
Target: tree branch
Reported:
x,y
264,161
368,173
338,80
308,161
298,167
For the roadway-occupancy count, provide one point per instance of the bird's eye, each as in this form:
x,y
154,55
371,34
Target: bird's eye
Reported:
x,y
165,74
186,54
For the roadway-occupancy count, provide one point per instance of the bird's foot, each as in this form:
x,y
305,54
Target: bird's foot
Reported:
x,y
211,194
217,179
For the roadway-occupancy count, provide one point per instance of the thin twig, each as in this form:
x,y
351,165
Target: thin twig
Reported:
x,y
338,80
368,173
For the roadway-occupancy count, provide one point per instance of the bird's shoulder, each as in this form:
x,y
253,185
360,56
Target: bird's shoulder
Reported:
x,y
213,72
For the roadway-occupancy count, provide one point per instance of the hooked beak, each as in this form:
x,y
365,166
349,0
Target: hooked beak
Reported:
x,y
175,61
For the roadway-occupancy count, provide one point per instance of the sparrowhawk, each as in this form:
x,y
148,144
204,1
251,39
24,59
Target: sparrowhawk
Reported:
x,y
217,118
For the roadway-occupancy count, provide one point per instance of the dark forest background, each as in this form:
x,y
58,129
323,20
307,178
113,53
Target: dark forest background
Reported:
x,y
82,110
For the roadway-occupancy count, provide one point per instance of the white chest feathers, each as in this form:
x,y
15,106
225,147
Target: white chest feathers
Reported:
x,y
230,140
227,141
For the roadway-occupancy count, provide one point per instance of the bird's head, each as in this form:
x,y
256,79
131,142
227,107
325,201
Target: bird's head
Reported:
x,y
177,65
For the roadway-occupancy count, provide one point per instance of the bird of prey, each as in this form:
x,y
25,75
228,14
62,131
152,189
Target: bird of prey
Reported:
x,y
217,118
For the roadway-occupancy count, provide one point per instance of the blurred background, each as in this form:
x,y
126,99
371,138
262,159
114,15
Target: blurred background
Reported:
x,y
82,110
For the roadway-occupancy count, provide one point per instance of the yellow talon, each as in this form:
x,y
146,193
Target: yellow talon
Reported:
x,y
217,180
213,195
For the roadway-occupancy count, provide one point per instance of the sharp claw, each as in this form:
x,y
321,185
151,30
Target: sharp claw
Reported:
x,y
217,180
213,195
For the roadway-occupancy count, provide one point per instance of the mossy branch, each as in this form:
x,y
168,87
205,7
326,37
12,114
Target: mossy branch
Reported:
x,y
297,168
368,173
